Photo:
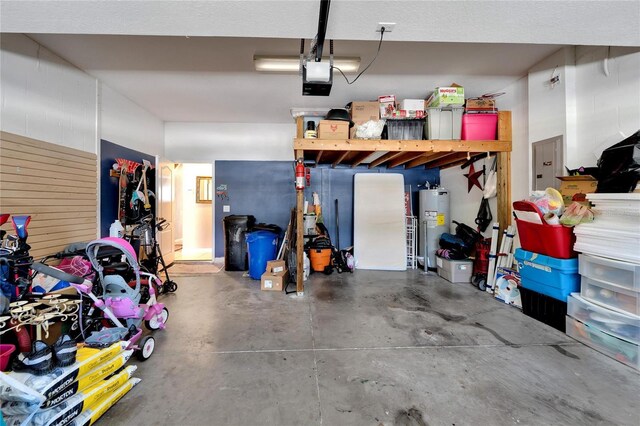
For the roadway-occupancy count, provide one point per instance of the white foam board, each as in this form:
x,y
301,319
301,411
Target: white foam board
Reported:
x,y
379,233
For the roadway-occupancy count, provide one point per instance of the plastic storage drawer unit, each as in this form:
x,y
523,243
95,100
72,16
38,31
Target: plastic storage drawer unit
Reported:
x,y
618,349
622,274
613,297
623,326
547,275
444,123
455,271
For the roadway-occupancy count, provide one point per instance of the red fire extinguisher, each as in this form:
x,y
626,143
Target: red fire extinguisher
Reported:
x,y
300,178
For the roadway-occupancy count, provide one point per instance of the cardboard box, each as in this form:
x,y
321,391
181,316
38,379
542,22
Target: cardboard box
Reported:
x,y
361,112
274,282
572,185
276,266
444,96
480,104
333,129
387,105
412,106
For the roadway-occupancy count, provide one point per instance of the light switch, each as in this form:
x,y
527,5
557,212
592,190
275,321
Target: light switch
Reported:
x,y
226,208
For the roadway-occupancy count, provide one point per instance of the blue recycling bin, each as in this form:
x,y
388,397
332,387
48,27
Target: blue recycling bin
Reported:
x,y
262,246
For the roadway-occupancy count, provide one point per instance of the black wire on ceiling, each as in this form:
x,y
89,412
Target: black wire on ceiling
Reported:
x,y
367,67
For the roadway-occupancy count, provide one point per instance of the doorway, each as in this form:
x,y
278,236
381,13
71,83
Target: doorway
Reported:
x,y
194,205
547,163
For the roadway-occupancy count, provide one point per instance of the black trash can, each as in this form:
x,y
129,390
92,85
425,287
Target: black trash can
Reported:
x,y
235,243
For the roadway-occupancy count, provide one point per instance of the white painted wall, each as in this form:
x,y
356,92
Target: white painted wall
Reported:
x,y
198,142
552,106
44,97
608,107
197,226
125,123
464,205
588,108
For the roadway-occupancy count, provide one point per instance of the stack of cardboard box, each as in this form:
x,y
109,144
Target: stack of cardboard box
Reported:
x,y
276,276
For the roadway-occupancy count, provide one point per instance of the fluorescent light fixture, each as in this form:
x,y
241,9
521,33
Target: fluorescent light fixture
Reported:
x,y
292,63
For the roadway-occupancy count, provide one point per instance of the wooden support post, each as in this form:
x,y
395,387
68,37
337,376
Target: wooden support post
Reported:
x,y
504,189
318,157
503,172
300,235
300,127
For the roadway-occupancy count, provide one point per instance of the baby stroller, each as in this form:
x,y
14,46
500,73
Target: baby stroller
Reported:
x,y
151,259
119,302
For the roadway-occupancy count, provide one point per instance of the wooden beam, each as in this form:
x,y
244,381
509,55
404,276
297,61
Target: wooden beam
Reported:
x,y
453,164
424,158
447,159
504,127
404,158
360,158
318,157
386,157
299,127
300,235
503,172
503,175
405,146
340,158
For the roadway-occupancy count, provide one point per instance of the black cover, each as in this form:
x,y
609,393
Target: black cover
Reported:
x,y
484,216
619,166
467,234
235,244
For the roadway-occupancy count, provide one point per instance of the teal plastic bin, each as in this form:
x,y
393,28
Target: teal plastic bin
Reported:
x,y
547,275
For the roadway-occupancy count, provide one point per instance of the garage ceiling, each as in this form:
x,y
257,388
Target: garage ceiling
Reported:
x,y
590,22
192,60
212,79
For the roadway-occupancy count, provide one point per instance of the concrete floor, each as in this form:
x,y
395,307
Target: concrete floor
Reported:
x,y
372,348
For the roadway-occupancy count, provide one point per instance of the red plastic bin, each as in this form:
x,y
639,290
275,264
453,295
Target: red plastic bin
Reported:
x,y
479,127
551,240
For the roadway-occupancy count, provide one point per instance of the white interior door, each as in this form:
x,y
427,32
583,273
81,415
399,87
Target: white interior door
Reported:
x,y
165,182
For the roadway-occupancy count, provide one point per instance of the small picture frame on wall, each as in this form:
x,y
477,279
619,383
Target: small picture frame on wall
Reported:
x,y
204,189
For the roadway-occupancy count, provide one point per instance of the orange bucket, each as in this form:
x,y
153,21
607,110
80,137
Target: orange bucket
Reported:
x,y
320,259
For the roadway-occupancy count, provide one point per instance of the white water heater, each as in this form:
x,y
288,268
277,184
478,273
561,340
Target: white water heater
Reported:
x,y
433,221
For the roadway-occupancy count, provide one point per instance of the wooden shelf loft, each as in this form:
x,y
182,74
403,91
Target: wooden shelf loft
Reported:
x,y
407,154
396,153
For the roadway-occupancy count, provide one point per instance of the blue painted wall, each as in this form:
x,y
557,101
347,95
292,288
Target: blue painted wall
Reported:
x,y
265,190
109,190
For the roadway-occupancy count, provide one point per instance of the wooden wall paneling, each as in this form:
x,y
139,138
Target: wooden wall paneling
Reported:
x,y
55,185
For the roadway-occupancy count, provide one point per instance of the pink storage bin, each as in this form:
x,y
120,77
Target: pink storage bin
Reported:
x,y
479,127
